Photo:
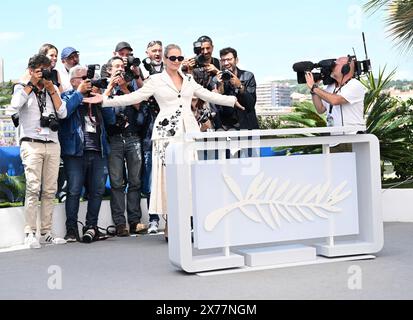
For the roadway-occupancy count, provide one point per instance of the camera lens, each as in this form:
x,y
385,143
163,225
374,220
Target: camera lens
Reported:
x,y
89,235
226,75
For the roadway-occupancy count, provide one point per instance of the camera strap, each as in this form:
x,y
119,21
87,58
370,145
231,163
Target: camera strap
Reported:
x,y
337,90
41,100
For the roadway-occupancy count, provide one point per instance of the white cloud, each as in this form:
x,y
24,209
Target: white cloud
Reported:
x,y
9,36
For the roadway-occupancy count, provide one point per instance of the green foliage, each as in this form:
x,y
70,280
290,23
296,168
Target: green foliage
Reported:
x,y
12,189
5,93
399,20
268,123
304,115
391,120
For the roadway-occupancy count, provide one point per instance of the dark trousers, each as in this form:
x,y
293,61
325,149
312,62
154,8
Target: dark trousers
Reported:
x,y
125,163
90,169
147,180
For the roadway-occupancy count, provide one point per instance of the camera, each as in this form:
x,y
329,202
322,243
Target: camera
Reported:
x,y
147,63
324,73
200,60
150,67
206,115
49,121
47,75
90,234
91,69
121,120
98,83
131,62
15,119
226,76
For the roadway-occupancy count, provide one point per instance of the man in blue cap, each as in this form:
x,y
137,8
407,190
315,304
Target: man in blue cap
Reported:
x,y
70,58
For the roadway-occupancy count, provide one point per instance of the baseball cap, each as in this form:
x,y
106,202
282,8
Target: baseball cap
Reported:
x,y
66,52
123,45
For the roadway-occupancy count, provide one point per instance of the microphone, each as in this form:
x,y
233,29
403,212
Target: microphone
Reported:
x,y
303,66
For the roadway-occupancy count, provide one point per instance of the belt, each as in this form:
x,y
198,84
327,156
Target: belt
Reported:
x,y
35,140
126,135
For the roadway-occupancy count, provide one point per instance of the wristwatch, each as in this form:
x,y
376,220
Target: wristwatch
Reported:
x,y
313,87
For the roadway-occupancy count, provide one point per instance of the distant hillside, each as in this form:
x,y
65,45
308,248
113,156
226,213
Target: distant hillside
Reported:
x,y
402,85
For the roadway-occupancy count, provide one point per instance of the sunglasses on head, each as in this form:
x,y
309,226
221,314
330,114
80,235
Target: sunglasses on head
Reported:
x,y
152,43
174,58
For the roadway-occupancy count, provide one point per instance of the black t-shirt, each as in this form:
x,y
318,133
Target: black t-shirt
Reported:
x,y
204,78
90,122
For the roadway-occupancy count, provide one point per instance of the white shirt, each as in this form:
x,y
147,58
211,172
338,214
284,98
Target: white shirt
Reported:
x,y
352,113
64,78
29,114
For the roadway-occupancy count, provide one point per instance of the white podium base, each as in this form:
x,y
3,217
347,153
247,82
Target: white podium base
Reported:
x,y
275,255
319,260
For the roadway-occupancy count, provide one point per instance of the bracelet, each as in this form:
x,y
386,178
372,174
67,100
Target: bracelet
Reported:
x,y
54,92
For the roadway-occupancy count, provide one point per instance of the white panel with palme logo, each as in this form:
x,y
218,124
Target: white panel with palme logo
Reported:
x,y
287,198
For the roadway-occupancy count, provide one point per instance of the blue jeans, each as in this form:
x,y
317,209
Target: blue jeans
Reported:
x,y
147,180
90,169
125,149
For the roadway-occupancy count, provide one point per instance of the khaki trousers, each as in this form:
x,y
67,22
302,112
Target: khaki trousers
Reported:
x,y
41,167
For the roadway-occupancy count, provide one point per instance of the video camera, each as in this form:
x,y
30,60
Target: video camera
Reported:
x,y
324,74
326,67
200,59
99,83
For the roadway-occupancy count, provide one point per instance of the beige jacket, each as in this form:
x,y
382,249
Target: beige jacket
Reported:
x,y
175,116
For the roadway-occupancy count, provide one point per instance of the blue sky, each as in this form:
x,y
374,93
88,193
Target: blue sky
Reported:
x,y
269,36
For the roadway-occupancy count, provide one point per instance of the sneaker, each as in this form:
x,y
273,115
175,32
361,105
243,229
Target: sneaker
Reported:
x,y
72,235
121,231
153,227
31,241
138,228
49,239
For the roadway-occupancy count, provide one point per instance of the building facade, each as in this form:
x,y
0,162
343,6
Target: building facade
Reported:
x,y
273,96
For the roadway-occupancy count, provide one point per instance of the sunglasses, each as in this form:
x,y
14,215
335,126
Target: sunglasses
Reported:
x,y
83,78
174,58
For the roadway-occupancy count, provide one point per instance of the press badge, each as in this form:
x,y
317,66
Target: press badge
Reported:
x,y
330,120
89,127
44,131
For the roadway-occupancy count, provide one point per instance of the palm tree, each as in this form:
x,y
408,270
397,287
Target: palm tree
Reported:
x,y
399,20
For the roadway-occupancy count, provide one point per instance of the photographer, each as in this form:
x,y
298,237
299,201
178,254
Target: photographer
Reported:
x,y
70,58
148,112
343,101
37,106
153,63
125,144
85,149
124,51
240,83
203,66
